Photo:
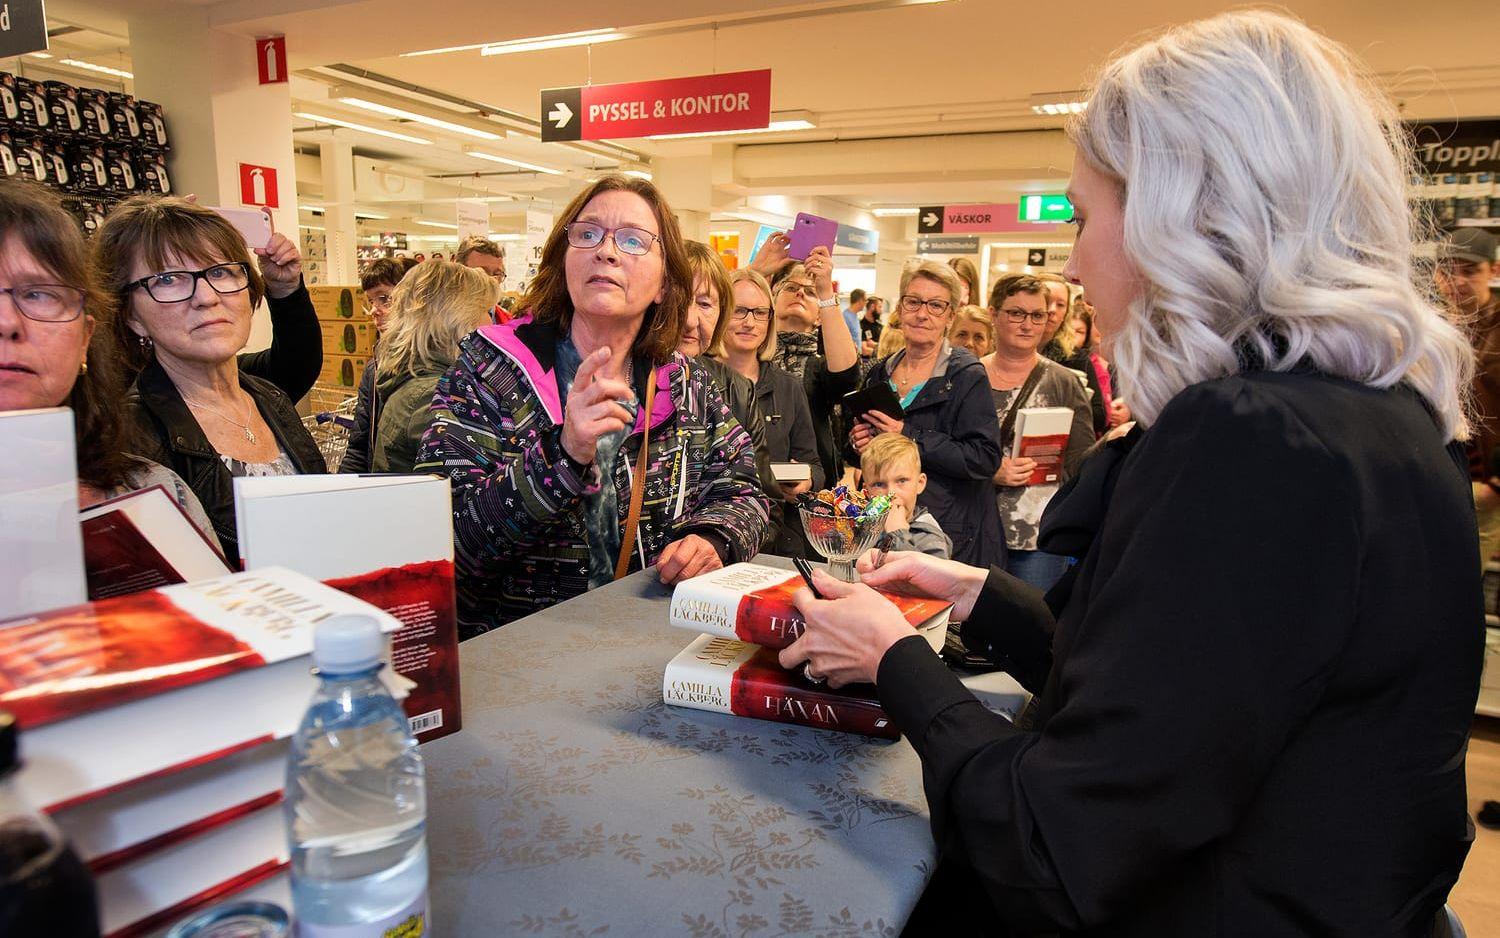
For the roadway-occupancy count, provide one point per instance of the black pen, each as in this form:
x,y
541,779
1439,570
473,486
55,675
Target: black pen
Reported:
x,y
805,568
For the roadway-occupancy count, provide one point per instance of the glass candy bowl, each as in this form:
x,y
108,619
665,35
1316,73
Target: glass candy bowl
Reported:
x,y
842,539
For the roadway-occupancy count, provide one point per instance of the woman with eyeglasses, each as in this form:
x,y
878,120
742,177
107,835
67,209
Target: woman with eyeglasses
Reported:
x,y
814,345
1020,378
580,444
946,411
379,281
187,289
53,352
748,345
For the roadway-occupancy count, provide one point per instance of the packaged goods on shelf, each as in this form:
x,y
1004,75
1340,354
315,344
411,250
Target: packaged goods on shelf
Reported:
x,y
339,302
347,337
342,371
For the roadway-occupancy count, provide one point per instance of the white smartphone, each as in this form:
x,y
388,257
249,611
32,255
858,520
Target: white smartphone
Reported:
x,y
253,224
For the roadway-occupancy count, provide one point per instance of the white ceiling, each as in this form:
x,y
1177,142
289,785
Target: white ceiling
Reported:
x,y
866,69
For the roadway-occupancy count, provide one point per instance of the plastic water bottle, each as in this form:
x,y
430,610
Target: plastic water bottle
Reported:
x,y
44,888
356,806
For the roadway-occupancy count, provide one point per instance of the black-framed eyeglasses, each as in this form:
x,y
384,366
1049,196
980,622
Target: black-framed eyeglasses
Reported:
x,y
1039,317
586,235
910,304
758,313
174,286
46,302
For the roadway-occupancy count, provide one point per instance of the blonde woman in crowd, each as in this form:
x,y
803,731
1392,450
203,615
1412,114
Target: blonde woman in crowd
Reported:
x,y
431,311
974,330
1254,693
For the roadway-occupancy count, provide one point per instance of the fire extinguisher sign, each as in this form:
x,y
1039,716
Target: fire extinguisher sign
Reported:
x,y
270,60
258,186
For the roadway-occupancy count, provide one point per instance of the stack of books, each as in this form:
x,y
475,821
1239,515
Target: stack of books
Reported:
x,y
744,615
154,730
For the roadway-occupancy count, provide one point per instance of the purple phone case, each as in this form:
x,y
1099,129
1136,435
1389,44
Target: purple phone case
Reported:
x,y
811,231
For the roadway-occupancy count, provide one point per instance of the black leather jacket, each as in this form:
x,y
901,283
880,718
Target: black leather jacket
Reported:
x,y
166,432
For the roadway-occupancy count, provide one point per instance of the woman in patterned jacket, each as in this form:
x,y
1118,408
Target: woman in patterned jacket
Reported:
x,y
539,424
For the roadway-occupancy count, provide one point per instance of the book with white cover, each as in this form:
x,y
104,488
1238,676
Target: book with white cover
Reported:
x,y
113,691
792,471
1042,435
387,539
142,540
149,894
39,538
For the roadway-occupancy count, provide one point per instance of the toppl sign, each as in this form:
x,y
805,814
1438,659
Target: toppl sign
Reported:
x,y
1457,146
700,104
23,27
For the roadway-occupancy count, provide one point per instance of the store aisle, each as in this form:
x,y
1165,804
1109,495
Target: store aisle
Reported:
x,y
1477,897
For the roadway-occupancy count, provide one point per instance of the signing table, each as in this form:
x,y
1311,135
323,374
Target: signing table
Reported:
x,y
575,801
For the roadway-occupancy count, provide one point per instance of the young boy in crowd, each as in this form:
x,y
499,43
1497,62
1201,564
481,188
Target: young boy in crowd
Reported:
x,y
891,465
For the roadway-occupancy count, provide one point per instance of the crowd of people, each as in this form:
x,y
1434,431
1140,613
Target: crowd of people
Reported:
x,y
1213,601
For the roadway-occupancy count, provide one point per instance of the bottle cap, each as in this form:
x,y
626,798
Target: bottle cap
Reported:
x,y
347,643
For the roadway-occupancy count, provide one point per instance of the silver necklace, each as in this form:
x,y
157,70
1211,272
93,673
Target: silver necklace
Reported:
x,y
244,428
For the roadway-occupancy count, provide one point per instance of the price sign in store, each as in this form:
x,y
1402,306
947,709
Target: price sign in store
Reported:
x,y
699,104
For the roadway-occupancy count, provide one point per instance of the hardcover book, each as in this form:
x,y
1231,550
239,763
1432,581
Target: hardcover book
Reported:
x,y
143,540
387,539
753,603
1042,434
728,676
110,692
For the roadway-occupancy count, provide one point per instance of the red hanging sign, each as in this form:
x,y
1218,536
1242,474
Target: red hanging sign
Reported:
x,y
258,186
270,59
699,104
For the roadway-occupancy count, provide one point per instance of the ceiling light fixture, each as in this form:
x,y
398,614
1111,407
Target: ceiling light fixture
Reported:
x,y
893,212
435,224
1057,103
388,111
370,215
783,124
638,173
363,128
585,37
40,55
315,209
497,236
91,67
519,164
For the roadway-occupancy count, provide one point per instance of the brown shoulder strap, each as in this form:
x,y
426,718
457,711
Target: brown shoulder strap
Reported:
x,y
637,485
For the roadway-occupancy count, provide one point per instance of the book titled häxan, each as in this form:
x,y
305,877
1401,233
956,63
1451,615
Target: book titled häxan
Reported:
x,y
728,676
753,603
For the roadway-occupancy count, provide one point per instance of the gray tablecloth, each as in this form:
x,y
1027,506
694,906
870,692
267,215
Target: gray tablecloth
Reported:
x,y
574,802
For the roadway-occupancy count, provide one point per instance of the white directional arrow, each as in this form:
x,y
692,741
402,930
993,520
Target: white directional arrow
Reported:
x,y
560,114
930,219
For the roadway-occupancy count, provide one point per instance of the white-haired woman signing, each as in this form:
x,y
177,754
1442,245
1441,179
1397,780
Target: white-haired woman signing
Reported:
x,y
1253,693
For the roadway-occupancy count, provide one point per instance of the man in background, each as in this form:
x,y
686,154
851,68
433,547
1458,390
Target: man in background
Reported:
x,y
1465,264
870,326
854,312
483,254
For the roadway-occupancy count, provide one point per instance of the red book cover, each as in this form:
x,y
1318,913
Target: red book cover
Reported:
x,y
753,603
1042,434
142,540
385,539
79,659
729,676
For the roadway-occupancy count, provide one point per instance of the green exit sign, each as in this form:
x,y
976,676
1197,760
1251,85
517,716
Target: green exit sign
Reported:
x,y
1045,208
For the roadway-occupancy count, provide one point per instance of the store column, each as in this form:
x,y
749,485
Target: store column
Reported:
x,y
224,125
218,114
337,157
687,184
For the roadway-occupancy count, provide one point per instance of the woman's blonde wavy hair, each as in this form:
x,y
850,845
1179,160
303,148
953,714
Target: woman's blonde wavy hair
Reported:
x,y
432,309
1264,182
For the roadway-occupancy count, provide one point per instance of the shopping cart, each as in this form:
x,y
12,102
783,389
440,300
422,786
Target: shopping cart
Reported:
x,y
330,430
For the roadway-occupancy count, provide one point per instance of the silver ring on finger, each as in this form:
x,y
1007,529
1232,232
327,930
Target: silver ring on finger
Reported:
x,y
807,672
